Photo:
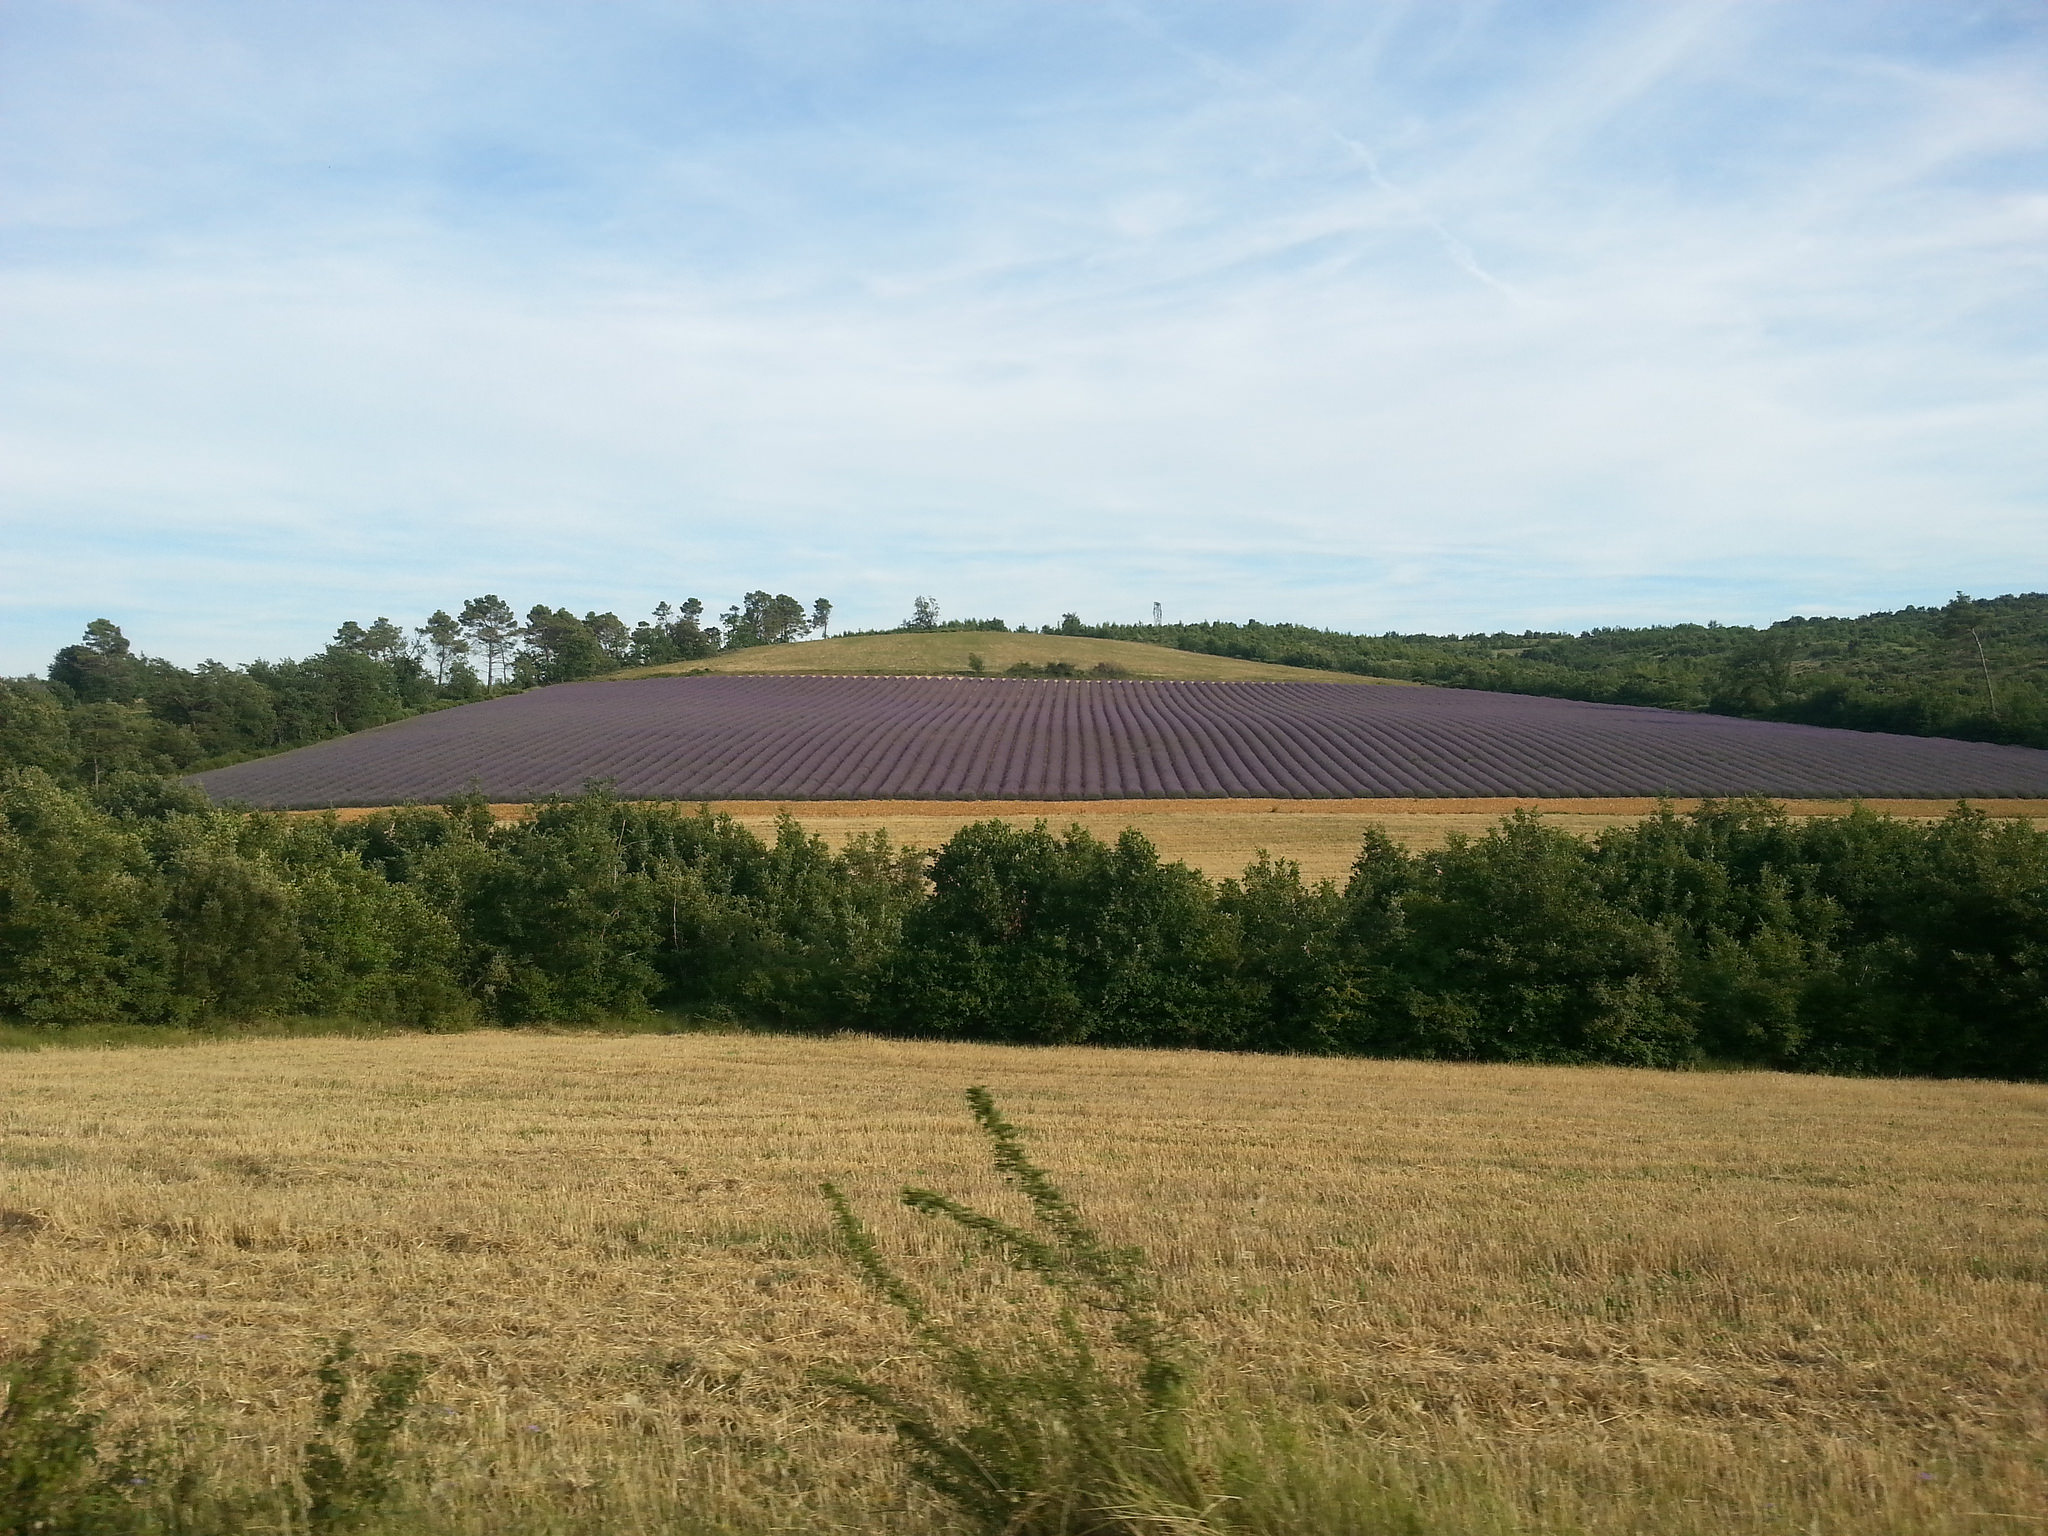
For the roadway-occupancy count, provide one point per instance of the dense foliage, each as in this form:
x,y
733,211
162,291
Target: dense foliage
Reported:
x,y
1859,943
1976,670
1972,669
105,709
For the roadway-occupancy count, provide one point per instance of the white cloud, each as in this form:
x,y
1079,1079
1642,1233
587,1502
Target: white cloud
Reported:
x,y
1404,317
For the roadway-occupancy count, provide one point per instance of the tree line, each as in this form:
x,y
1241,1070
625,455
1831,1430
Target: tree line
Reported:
x,y
104,708
1971,668
1733,934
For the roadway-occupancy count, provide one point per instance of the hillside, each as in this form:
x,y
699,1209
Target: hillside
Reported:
x,y
946,652
1974,669
759,737
1970,670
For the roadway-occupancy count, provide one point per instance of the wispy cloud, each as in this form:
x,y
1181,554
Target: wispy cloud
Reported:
x,y
1382,316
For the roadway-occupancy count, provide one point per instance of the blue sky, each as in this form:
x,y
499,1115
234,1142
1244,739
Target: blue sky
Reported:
x,y
1435,316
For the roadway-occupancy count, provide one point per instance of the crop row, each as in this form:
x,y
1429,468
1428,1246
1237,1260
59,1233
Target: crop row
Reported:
x,y
741,738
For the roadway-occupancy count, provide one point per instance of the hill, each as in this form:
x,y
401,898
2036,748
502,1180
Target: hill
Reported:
x,y
902,653
755,737
1974,669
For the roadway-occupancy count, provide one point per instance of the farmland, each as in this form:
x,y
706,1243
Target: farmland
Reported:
x,y
832,738
1886,671
1221,837
911,654
1901,675
1534,1298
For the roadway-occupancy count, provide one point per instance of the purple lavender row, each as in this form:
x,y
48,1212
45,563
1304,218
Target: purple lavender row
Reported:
x,y
827,738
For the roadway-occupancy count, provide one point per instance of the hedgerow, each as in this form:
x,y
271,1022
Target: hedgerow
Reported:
x,y
1730,934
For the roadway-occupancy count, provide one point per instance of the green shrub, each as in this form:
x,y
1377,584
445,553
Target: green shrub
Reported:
x,y
1081,1421
55,1480
1857,943
49,1473
1031,937
1510,950
1292,981
82,931
350,1468
1077,1428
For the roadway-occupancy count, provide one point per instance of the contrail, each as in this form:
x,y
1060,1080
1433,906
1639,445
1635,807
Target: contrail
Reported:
x,y
1460,253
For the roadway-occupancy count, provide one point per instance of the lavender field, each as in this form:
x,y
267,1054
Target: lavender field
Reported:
x,y
746,737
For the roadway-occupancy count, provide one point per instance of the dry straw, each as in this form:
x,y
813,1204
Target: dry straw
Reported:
x,y
1545,1299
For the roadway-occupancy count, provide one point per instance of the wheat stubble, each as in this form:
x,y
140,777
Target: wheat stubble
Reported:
x,y
1610,1300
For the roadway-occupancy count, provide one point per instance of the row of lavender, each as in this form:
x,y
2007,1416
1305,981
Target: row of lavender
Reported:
x,y
943,738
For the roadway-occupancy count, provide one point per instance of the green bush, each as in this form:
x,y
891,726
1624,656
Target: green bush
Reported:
x,y
1508,950
349,1470
1079,1417
56,1481
1857,943
50,1479
1075,1427
83,933
1029,936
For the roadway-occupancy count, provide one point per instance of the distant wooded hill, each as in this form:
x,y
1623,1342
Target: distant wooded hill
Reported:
x,y
1971,669
1975,669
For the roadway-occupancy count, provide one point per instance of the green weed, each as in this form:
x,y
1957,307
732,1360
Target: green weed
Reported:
x,y
1079,1426
55,1479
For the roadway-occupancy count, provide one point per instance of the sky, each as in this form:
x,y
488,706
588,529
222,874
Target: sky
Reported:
x,y
1443,316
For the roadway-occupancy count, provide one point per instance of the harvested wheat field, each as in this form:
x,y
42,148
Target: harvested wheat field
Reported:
x,y
1537,1299
1220,837
1219,843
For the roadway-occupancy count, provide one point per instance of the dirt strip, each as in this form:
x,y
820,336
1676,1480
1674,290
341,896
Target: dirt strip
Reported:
x,y
1220,837
1058,810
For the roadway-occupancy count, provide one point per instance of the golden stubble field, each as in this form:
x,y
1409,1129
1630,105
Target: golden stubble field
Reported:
x,y
1221,837
951,652
1547,1299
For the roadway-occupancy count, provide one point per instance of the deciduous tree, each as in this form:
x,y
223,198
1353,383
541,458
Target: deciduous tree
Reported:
x,y
611,635
1759,675
107,737
559,647
763,618
33,730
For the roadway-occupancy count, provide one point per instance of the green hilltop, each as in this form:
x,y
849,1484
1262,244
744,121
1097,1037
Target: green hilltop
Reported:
x,y
1975,669
904,653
